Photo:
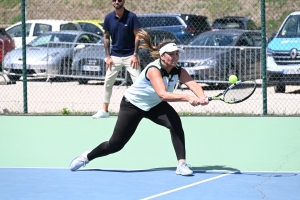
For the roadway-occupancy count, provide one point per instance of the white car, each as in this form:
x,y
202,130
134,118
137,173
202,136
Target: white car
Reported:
x,y
35,28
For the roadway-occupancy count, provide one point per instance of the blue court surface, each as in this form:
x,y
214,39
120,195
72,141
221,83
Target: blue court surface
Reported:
x,y
260,159
47,183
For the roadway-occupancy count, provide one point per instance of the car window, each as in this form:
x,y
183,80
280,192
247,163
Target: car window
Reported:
x,y
44,39
86,38
171,21
291,27
16,31
41,28
41,41
159,21
213,40
222,24
91,28
68,26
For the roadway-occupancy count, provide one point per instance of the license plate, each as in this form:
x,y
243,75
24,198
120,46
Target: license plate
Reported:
x,y
291,71
91,68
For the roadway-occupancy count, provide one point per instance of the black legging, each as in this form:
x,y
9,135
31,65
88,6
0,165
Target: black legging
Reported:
x,y
129,118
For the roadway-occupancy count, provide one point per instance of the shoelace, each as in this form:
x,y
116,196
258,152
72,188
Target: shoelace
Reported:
x,y
185,165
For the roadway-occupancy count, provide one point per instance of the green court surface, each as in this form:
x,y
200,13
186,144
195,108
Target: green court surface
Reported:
x,y
213,143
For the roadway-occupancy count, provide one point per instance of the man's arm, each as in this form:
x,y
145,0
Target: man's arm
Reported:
x,y
134,60
107,43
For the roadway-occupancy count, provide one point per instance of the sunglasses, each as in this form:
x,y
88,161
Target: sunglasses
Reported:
x,y
117,1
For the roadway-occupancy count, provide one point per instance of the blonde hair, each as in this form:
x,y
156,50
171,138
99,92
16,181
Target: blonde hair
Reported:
x,y
147,44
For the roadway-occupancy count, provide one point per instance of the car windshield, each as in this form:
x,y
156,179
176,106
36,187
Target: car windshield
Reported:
x,y
45,39
291,28
227,24
213,40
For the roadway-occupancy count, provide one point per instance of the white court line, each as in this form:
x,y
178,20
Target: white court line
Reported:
x,y
187,186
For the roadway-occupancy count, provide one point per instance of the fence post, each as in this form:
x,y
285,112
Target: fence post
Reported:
x,y
263,57
25,108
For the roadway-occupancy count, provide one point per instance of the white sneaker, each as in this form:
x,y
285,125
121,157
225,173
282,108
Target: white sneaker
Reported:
x,y
101,114
184,169
79,161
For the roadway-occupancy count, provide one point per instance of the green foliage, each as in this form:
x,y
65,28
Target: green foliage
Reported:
x,y
65,111
9,3
16,19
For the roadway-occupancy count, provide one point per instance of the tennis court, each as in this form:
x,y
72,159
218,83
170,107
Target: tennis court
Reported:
x,y
232,158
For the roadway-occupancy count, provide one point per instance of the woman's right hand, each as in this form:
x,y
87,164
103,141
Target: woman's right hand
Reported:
x,y
195,101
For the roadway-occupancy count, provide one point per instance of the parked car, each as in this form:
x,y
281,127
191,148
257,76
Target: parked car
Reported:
x,y
214,55
283,54
6,44
88,62
93,26
50,53
234,22
35,28
184,26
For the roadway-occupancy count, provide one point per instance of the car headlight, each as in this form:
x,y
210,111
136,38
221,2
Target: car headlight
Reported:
x,y
50,56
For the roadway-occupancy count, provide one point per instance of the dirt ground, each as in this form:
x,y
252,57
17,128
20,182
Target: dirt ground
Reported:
x,y
52,97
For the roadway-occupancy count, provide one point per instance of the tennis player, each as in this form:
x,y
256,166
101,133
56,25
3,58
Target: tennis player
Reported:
x,y
147,98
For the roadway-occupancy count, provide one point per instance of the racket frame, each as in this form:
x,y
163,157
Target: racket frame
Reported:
x,y
221,95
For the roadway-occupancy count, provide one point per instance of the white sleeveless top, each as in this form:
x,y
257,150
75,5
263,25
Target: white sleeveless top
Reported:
x,y
142,94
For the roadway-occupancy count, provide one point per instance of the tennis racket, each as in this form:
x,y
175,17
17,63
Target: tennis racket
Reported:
x,y
236,93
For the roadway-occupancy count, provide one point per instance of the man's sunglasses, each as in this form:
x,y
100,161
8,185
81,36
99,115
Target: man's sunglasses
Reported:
x,y
117,1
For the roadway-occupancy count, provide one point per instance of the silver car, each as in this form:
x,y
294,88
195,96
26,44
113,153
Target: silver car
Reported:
x,y
50,54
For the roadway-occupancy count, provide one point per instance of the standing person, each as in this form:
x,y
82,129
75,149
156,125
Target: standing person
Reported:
x,y
147,98
120,27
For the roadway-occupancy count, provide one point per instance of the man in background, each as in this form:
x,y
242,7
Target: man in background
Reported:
x,y
121,27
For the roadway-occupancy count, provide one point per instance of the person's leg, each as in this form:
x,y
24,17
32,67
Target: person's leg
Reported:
x,y
165,115
134,73
128,119
110,78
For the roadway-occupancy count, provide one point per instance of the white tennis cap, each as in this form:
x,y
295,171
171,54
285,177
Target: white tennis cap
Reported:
x,y
170,48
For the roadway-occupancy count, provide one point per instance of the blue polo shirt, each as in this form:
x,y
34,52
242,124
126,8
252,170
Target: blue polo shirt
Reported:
x,y
121,32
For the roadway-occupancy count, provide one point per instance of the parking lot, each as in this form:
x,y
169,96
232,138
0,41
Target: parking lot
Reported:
x,y
53,96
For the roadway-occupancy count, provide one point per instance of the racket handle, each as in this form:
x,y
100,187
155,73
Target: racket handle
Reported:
x,y
208,99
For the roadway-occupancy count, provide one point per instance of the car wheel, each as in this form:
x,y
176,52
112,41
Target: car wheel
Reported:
x,y
280,88
13,77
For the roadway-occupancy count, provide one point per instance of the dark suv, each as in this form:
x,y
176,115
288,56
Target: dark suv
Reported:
x,y
234,22
184,26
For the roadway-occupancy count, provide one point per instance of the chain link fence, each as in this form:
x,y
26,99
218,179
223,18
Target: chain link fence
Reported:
x,y
219,37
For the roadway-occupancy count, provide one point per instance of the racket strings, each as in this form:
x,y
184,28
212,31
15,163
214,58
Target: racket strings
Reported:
x,y
239,92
